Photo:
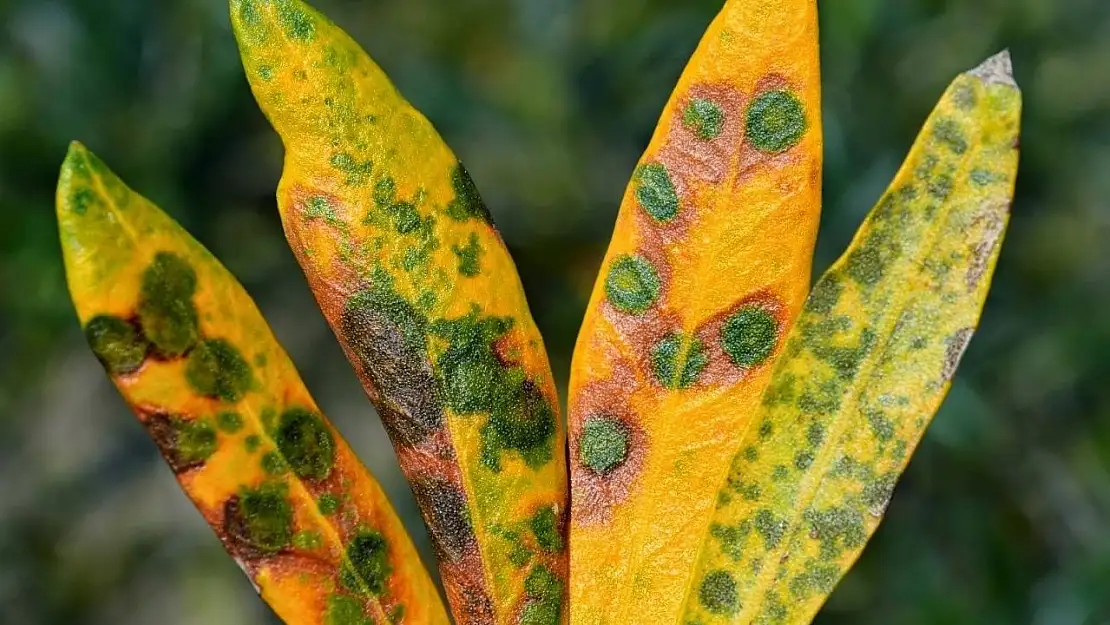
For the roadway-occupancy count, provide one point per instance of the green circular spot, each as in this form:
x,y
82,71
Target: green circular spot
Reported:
x,y
704,118
265,517
545,528
229,422
216,369
776,122
328,504
632,285
676,365
656,193
194,440
306,443
718,593
367,567
522,418
603,444
166,311
116,343
749,336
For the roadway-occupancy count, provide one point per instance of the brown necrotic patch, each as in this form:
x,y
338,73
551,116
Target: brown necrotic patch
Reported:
x,y
736,340
185,443
607,446
447,515
707,127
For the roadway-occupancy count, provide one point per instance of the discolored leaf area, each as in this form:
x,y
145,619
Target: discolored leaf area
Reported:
x,y
420,290
193,357
864,368
707,268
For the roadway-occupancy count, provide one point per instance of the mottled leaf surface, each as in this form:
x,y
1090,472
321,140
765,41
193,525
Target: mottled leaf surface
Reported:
x,y
192,356
708,266
418,286
865,368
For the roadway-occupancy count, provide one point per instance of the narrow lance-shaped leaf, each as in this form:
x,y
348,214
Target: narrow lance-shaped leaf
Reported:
x,y
865,367
415,281
191,354
708,266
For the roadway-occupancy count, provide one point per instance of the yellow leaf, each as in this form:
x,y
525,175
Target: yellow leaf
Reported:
x,y
418,286
192,356
708,266
865,367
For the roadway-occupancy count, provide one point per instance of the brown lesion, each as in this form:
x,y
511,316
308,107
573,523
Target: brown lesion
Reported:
x,y
720,370
596,494
991,223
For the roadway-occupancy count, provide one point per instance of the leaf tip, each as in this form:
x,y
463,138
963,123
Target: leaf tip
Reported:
x,y
997,70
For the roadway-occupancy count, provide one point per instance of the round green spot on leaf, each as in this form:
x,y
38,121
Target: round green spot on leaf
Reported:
x,y
116,343
229,422
704,118
263,517
306,443
346,610
776,122
166,311
603,445
328,504
545,527
656,193
718,593
749,336
367,567
676,365
632,285
216,369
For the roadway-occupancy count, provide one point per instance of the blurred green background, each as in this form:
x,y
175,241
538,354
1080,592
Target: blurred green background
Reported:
x,y
1004,514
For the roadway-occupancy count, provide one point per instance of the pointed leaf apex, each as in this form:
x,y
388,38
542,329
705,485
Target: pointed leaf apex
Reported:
x,y
997,70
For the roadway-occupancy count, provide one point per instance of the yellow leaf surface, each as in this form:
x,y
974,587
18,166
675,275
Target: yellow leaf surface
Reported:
x,y
865,367
708,266
418,286
193,357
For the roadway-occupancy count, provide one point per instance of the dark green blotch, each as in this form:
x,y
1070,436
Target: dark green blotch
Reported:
x,y
345,610
252,442
523,420
632,285
719,593
868,262
825,295
298,24
167,315
545,591
367,567
770,527
877,493
656,193
603,444
328,504
749,336
82,200
261,517
116,343
217,369
776,122
704,118
837,529
803,460
358,172
546,529
467,203
731,538
274,464
185,443
816,579
949,133
881,425
229,422
469,257
665,362
306,444
406,219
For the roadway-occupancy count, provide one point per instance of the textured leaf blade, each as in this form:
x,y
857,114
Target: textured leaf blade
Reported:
x,y
708,266
193,357
414,279
866,367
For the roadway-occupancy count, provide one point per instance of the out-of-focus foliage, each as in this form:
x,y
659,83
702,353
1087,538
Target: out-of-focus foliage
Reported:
x,y
1002,514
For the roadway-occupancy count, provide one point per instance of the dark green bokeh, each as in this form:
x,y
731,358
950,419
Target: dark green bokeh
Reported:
x,y
1004,514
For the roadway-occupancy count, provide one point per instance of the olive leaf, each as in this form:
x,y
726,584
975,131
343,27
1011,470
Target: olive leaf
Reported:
x,y
865,368
413,277
193,357
708,266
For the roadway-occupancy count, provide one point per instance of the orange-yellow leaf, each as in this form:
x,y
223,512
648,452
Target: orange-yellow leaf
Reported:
x,y
865,368
192,356
707,268
415,281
